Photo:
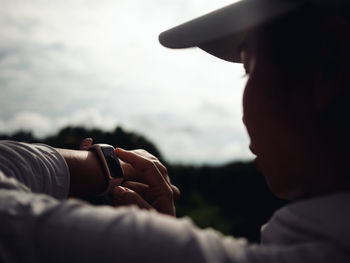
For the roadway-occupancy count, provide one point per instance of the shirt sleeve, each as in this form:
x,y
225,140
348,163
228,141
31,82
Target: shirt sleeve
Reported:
x,y
39,167
38,228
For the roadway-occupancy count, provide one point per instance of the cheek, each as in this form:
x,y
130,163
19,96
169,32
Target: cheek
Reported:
x,y
255,115
265,119
260,116
262,107
249,106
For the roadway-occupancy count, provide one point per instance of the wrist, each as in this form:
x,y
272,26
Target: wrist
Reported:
x,y
86,174
110,164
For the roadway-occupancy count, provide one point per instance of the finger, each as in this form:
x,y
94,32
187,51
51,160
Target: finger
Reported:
x,y
176,192
155,160
145,154
123,196
85,143
130,173
149,170
139,188
113,183
162,169
143,190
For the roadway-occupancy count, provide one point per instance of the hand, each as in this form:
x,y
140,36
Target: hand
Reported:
x,y
146,183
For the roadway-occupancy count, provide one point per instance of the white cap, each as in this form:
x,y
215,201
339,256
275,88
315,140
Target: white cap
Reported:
x,y
221,32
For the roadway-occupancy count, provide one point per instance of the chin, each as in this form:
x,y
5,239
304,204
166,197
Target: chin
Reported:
x,y
284,196
282,184
282,191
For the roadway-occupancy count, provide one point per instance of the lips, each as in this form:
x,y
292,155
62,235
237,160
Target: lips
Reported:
x,y
252,149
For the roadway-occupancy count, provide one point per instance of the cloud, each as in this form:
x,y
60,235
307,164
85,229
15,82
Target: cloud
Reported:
x,y
100,64
29,121
192,140
89,118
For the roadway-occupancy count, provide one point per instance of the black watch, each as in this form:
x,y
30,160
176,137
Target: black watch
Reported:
x,y
108,160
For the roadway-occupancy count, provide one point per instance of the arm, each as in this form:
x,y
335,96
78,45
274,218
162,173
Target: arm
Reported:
x,y
86,175
59,172
56,172
44,229
145,183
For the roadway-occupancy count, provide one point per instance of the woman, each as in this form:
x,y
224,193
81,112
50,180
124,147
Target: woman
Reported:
x,y
295,109
295,101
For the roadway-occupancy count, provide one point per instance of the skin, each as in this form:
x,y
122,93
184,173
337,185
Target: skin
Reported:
x,y
146,183
284,129
83,167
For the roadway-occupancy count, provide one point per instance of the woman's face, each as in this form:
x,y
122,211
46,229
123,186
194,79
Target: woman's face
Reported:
x,y
279,124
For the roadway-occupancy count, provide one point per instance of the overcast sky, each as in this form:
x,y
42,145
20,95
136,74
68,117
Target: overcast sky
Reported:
x,y
99,64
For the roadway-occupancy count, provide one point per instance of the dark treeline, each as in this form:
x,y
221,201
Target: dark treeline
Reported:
x,y
231,198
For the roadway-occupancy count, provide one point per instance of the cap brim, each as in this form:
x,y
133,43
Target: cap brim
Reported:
x,y
221,32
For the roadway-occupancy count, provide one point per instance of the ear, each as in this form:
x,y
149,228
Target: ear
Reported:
x,y
332,75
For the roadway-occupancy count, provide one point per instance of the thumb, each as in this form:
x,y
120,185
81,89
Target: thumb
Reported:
x,y
123,196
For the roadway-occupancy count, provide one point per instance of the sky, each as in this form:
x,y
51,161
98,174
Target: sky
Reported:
x,y
99,64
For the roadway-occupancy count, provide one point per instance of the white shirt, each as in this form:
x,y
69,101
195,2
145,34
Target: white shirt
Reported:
x,y
37,224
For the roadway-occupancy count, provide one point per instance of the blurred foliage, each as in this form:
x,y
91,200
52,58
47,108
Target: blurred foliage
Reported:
x,y
231,198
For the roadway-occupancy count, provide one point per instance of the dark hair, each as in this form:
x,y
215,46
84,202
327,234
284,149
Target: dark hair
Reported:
x,y
300,33
297,43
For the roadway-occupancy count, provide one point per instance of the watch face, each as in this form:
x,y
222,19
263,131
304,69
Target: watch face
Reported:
x,y
114,166
106,149
112,161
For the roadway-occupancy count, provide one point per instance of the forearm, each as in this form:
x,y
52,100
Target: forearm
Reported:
x,y
86,174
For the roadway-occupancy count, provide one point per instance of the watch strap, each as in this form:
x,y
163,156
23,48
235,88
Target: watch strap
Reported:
x,y
110,164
